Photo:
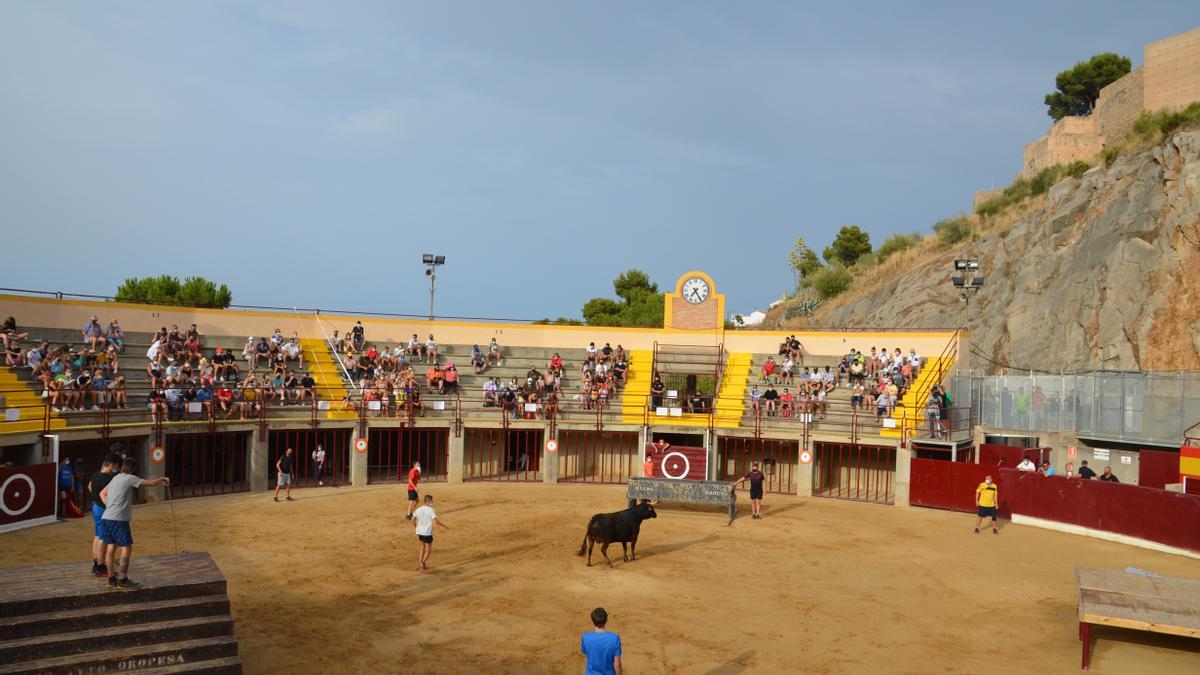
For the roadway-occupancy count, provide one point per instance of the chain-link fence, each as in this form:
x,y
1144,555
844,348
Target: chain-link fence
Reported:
x,y
1130,406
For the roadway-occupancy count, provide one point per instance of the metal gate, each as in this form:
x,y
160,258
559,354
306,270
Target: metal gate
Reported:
x,y
597,456
304,442
206,463
502,454
391,452
87,456
777,458
861,473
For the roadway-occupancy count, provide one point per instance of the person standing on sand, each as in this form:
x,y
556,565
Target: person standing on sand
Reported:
x,y
756,477
986,498
425,517
283,466
601,647
414,478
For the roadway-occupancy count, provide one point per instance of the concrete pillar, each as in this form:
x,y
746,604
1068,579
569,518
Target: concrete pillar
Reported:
x,y
903,474
454,450
260,456
140,449
804,473
358,460
549,459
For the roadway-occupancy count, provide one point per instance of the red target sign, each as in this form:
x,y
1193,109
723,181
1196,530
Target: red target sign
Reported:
x,y
27,493
681,463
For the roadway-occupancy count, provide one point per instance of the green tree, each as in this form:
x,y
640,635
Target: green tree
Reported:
x,y
895,244
951,231
640,303
828,281
803,260
168,290
850,244
1079,87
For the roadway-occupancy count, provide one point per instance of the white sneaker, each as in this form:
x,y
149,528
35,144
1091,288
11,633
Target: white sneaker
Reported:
x,y
321,482
96,407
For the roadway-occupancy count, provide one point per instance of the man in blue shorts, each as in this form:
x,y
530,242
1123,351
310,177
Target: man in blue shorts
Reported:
x,y
602,648
98,482
118,511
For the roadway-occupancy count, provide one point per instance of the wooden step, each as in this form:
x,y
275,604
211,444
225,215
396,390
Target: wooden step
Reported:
x,y
113,637
32,625
140,658
51,588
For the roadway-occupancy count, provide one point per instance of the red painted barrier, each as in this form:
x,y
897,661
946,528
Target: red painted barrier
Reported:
x,y
679,461
1157,468
942,484
1156,515
27,493
991,454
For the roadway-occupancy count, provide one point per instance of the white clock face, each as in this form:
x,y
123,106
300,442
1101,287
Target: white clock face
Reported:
x,y
695,290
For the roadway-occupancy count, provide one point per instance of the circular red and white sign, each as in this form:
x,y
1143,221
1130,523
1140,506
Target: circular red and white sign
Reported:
x,y
360,444
805,457
158,455
551,445
670,466
16,493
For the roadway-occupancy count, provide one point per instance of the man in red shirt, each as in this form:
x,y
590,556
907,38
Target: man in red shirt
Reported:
x,y
414,477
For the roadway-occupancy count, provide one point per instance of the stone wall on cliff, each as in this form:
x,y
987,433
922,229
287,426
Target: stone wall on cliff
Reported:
x,y
1108,269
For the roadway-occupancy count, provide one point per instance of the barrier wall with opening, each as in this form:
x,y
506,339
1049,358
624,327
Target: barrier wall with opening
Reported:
x,y
778,459
598,456
303,442
206,463
392,451
502,454
863,473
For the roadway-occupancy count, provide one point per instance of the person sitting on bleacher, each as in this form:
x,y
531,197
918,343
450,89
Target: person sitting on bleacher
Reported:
x,y
415,348
291,350
358,336
619,371
93,334
495,354
9,331
434,377
556,365
114,336
450,379
477,360
490,388
431,350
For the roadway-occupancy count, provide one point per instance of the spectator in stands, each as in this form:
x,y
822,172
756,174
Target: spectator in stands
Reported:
x,y
93,334
9,331
795,350
478,361
278,362
771,400
431,350
785,403
1021,405
291,350
120,397
787,375
339,343
114,336
450,379
415,348
224,400
434,378
1045,469
1027,465
657,391
291,388
606,353
308,388
591,353
619,370
1085,472
490,387
755,399
856,397
495,354
358,336
1108,476
276,341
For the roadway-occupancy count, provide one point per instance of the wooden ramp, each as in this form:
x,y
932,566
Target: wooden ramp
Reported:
x,y
61,619
1168,605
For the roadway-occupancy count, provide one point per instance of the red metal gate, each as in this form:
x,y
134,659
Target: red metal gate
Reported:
x,y
206,463
502,454
597,456
303,442
861,473
391,452
777,458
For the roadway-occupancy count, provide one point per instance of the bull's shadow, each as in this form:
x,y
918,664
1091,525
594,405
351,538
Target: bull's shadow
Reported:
x,y
660,549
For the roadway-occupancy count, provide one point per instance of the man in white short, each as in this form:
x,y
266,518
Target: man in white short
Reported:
x,y
1027,466
424,518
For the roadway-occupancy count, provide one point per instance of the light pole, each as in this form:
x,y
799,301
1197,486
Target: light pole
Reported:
x,y
433,261
973,282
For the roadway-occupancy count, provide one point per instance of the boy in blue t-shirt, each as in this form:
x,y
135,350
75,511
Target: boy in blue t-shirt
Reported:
x,y
602,648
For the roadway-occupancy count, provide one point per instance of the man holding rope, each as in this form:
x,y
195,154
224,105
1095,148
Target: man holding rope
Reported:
x,y
118,511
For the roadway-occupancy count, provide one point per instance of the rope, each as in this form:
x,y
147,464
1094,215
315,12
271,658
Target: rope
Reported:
x,y
174,527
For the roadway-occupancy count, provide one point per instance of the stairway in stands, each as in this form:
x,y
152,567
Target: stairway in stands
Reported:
x,y
20,395
912,408
320,360
731,397
59,619
637,387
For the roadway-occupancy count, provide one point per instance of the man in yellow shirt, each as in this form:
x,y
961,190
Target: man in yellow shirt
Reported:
x,y
987,497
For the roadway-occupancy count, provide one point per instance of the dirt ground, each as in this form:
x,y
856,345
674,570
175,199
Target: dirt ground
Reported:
x,y
328,584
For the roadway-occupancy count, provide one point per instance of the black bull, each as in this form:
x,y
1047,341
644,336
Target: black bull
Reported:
x,y
609,528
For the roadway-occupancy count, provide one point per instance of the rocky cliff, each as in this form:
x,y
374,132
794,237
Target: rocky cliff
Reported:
x,y
1105,274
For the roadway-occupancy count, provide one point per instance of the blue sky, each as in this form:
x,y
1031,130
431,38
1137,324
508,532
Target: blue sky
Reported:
x,y
308,153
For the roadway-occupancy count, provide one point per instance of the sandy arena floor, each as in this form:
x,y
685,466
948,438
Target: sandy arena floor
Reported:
x,y
328,584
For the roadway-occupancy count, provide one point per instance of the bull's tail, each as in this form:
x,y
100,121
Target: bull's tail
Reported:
x,y
588,531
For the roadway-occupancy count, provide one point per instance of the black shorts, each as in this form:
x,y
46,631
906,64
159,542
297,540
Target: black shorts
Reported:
x,y
987,512
425,538
756,494
412,495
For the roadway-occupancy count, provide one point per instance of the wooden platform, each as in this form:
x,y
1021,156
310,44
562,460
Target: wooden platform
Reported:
x,y
61,618
1169,605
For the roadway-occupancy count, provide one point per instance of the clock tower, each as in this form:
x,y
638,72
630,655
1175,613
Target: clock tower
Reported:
x,y
695,304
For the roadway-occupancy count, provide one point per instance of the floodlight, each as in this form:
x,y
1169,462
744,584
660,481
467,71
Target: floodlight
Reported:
x,y
427,258
441,260
977,282
959,282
